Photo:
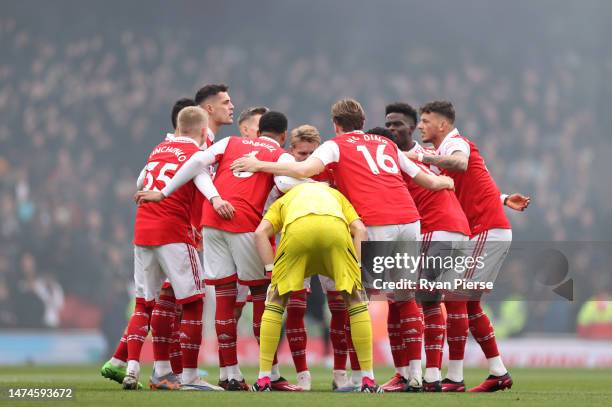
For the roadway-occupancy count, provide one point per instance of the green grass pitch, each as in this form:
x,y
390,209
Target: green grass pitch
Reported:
x,y
532,387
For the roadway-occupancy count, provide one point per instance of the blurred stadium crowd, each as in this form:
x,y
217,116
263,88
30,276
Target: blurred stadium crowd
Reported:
x,y
80,113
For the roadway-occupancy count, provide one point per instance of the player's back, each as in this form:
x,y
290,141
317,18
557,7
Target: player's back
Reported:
x,y
476,191
246,191
368,174
168,221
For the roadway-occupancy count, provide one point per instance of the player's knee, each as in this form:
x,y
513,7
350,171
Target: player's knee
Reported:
x,y
274,297
355,297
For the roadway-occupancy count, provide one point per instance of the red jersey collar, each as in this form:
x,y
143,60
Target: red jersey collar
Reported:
x,y
181,139
272,140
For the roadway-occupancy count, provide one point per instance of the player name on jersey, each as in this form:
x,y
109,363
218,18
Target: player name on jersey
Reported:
x,y
246,191
366,171
168,221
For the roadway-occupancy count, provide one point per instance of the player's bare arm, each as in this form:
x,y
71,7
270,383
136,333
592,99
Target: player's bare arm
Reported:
x,y
204,183
303,169
516,201
222,207
263,233
148,196
457,161
424,178
434,182
360,234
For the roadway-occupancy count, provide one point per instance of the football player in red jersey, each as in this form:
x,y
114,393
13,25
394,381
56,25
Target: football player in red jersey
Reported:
x,y
365,166
162,322
229,249
248,124
216,101
164,247
248,120
490,230
442,220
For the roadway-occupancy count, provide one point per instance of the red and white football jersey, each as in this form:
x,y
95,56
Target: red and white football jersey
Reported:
x,y
440,210
198,199
367,170
246,191
475,188
327,175
169,221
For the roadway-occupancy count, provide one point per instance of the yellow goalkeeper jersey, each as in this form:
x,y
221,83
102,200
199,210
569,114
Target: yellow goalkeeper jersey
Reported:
x,y
314,198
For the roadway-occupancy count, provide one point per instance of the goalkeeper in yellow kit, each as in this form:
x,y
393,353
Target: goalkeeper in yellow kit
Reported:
x,y
320,232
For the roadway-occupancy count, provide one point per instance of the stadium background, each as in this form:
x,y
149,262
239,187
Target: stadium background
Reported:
x,y
86,91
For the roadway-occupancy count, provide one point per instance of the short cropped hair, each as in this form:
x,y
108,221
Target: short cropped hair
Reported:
x,y
402,108
250,112
382,131
209,90
273,122
178,106
441,107
348,114
192,118
306,133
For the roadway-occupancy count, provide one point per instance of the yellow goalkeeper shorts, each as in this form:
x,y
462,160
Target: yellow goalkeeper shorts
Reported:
x,y
316,244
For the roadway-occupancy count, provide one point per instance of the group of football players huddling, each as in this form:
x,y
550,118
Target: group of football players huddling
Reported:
x,y
257,222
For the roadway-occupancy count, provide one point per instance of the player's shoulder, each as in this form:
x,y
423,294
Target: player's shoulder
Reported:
x,y
453,141
162,145
348,138
455,136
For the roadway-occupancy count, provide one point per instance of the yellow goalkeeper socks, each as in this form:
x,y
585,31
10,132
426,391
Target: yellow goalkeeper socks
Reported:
x,y
361,333
269,336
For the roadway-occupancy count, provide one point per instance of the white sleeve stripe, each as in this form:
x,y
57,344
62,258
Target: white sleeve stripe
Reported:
x,y
219,147
457,145
408,166
328,152
196,164
285,158
284,183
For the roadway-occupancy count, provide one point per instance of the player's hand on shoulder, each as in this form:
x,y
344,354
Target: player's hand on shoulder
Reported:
x,y
148,196
411,155
223,207
246,163
518,202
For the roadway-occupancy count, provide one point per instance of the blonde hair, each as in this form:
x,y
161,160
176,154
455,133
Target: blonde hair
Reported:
x,y
306,133
348,114
192,119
